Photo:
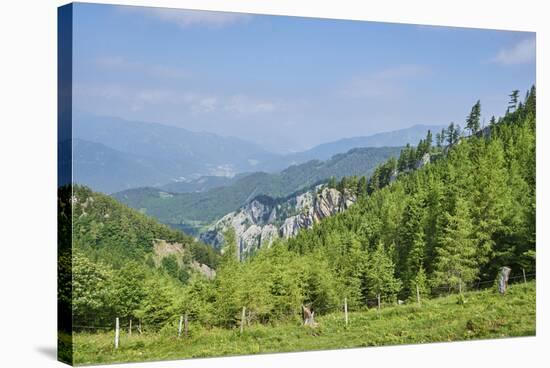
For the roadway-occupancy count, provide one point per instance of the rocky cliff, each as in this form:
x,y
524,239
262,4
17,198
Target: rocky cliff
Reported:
x,y
265,219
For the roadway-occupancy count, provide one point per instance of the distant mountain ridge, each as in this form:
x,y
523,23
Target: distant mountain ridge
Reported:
x,y
184,154
114,154
191,212
324,151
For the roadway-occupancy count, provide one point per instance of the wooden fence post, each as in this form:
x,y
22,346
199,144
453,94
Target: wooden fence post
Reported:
x,y
524,278
378,297
179,327
130,328
243,316
460,286
346,310
417,295
117,333
186,325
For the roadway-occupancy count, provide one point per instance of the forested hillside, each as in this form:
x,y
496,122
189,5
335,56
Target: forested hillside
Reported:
x,y
121,259
443,223
441,218
192,211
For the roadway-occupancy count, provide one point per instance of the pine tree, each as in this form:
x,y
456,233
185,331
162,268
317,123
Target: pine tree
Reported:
x,y
380,275
420,281
514,96
403,161
429,140
411,244
450,134
456,262
362,186
472,121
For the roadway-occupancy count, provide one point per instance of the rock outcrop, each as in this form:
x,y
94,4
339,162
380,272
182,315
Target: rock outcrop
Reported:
x,y
264,219
163,248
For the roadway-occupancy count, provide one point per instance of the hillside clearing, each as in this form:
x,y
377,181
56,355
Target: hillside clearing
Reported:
x,y
485,314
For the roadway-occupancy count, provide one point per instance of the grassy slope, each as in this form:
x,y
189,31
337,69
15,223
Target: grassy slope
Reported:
x,y
485,314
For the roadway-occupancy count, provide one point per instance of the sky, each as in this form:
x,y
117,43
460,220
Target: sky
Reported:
x,y
289,83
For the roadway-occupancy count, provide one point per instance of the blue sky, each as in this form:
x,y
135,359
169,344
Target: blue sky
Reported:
x,y
289,83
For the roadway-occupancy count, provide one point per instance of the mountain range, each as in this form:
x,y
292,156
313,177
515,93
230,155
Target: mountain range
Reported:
x,y
113,154
192,212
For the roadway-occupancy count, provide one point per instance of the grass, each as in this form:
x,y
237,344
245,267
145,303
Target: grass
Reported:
x,y
485,314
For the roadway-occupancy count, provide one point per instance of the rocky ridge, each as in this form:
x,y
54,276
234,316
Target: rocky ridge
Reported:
x,y
265,219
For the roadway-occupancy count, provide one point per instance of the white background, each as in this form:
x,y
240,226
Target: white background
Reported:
x,y
28,180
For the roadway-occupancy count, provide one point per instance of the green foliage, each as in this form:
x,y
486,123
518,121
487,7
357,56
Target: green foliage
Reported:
x,y
472,121
486,315
449,223
380,278
456,262
92,291
108,230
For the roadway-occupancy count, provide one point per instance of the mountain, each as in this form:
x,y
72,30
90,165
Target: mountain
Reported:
x,y
105,229
192,212
180,153
108,170
324,151
264,219
116,154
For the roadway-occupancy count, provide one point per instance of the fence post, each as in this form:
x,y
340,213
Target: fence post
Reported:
x,y
117,333
243,316
460,286
179,327
378,297
130,328
186,325
524,278
346,310
417,295
139,326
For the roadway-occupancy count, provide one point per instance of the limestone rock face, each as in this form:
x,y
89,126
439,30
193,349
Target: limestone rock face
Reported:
x,y
265,219
423,161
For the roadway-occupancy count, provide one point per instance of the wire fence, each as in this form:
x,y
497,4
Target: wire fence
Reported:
x,y
183,325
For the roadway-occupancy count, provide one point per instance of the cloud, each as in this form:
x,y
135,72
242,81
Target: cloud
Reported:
x,y
189,18
387,82
137,99
154,70
241,104
522,52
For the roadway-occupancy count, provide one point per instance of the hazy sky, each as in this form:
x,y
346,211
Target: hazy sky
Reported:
x,y
289,83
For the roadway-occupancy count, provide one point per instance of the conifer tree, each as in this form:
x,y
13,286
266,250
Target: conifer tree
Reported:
x,y
450,134
380,278
456,262
472,121
362,186
514,96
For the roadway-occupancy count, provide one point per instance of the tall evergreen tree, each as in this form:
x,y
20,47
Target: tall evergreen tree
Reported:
x,y
380,278
472,121
456,262
514,97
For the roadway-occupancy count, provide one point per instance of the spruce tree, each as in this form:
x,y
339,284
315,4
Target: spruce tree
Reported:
x,y
380,275
514,96
472,121
456,263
